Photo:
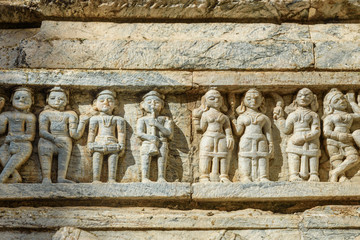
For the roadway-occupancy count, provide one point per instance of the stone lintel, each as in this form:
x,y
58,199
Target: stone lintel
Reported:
x,y
275,191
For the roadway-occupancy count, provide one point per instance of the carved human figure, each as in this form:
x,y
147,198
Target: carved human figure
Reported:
x,y
154,131
106,136
303,148
340,143
256,143
57,128
217,140
21,126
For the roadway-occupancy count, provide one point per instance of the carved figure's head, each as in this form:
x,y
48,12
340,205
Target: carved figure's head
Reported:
x,y
105,102
22,99
153,102
213,99
253,99
305,98
334,100
57,98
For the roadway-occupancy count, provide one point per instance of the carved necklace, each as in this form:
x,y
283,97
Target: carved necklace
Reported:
x,y
107,120
253,119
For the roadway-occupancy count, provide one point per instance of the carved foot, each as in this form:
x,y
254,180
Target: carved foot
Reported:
x,y
161,180
63,180
46,181
145,180
295,178
332,176
314,178
264,179
111,181
204,180
96,182
225,180
246,180
343,178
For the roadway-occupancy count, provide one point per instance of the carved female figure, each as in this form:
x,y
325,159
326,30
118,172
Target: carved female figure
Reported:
x,y
154,131
303,148
256,143
339,140
57,128
217,140
21,125
106,136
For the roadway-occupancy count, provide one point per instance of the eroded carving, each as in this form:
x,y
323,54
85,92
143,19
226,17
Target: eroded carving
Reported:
x,y
154,131
21,126
106,136
303,124
340,143
57,128
217,140
256,142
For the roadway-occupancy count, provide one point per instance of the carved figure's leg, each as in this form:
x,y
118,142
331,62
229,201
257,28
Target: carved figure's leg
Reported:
x,y
145,168
245,169
21,153
112,167
46,152
64,155
97,166
264,169
336,158
162,162
215,167
224,169
349,162
294,167
314,169
4,158
204,168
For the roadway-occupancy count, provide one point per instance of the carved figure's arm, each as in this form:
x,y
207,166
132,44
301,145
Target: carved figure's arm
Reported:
x,y
121,132
197,118
329,129
77,130
30,128
3,123
268,133
315,129
44,123
141,131
239,126
287,126
167,129
229,134
93,128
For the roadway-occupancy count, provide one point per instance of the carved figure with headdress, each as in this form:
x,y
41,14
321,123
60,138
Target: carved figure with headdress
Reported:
x,y
21,126
256,142
154,130
58,126
303,124
107,134
217,140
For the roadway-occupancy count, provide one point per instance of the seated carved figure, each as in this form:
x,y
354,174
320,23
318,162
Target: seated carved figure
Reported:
x,y
303,124
106,136
57,128
217,140
154,131
340,143
256,143
21,125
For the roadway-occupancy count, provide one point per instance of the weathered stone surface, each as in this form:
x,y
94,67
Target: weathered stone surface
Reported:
x,y
125,191
9,41
275,191
66,233
239,10
168,46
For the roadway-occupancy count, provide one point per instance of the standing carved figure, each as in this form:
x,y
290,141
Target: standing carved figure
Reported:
x,y
256,143
217,140
21,125
339,140
106,136
303,148
57,128
154,131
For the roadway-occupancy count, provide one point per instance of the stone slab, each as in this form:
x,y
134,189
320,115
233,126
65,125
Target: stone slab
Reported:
x,y
88,191
275,191
21,11
164,46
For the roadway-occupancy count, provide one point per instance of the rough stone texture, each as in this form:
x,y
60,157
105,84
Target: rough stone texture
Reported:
x,y
237,10
276,191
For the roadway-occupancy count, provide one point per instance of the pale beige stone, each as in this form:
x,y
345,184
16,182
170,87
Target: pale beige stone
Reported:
x,y
70,233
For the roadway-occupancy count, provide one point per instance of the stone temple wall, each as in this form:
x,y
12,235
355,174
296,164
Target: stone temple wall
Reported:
x,y
182,49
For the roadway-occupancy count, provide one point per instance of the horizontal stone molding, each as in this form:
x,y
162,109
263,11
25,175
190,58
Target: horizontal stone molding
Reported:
x,y
275,191
120,219
21,11
177,81
180,46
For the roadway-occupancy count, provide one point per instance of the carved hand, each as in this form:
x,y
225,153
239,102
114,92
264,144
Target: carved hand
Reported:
x,y
59,142
278,113
84,118
299,141
350,96
197,112
345,137
90,146
230,142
